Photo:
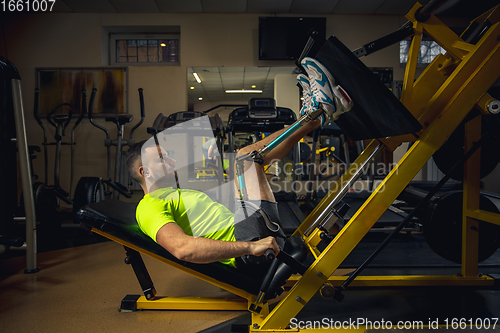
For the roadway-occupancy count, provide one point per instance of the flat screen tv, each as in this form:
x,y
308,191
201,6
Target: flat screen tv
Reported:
x,y
284,38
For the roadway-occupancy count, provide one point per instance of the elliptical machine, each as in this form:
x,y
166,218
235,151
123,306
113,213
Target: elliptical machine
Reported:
x,y
94,189
47,197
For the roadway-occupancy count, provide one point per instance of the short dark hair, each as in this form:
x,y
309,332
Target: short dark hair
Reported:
x,y
134,160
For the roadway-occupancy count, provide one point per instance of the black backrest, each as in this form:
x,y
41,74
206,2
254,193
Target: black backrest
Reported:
x,y
117,218
377,113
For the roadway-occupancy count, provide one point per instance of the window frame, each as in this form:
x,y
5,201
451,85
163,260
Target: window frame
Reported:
x,y
420,64
114,37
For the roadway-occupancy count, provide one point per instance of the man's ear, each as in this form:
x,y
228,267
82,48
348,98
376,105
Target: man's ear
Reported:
x,y
143,171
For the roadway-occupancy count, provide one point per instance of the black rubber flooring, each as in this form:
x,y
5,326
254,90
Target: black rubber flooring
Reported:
x,y
405,255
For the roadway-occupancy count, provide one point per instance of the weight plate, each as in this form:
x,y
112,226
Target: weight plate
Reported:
x,y
46,206
87,191
453,149
443,227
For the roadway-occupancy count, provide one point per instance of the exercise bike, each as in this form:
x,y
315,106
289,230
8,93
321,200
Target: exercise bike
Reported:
x,y
95,189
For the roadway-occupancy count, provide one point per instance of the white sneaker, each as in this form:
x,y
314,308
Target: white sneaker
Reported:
x,y
331,98
307,104
306,94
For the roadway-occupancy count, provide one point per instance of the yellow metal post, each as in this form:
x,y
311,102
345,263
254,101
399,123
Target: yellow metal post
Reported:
x,y
411,65
192,304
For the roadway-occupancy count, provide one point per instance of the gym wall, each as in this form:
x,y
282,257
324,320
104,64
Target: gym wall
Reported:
x,y
75,40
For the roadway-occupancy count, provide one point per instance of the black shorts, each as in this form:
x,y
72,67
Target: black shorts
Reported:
x,y
255,225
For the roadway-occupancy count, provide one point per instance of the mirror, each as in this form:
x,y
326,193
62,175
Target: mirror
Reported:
x,y
216,80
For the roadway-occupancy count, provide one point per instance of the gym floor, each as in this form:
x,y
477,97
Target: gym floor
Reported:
x,y
79,289
405,255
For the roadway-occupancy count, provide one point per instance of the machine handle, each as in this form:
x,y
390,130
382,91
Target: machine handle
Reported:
x,y
119,187
91,103
225,106
49,118
91,109
141,99
156,124
69,116
51,114
313,35
84,108
143,113
270,255
35,109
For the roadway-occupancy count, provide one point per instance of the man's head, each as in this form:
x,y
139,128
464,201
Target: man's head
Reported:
x,y
134,162
150,166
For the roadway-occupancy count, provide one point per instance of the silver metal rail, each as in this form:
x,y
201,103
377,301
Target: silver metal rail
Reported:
x,y
29,200
327,213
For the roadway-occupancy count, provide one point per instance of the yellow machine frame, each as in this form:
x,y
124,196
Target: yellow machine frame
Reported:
x,y
442,96
440,99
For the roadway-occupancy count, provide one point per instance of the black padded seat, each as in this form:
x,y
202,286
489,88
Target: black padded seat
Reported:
x,y
117,218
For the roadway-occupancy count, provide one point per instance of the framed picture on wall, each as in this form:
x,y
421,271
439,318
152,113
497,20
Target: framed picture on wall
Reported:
x,y
60,90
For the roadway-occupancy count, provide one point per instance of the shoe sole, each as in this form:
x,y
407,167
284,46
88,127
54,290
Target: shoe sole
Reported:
x,y
338,92
344,100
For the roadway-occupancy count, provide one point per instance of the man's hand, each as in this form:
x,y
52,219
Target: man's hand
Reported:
x,y
203,250
259,247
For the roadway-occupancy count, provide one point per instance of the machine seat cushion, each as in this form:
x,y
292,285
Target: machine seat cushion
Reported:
x,y
117,218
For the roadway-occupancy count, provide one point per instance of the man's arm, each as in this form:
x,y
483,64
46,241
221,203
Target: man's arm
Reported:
x,y
203,250
211,154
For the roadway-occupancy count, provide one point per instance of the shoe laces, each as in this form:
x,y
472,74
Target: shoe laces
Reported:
x,y
308,100
306,94
315,91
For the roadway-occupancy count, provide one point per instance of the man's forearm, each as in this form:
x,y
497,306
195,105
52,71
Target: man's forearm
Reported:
x,y
202,250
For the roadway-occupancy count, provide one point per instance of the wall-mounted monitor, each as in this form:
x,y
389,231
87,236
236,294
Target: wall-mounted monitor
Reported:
x,y
284,38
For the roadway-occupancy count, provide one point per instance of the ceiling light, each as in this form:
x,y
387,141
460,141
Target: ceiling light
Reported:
x,y
244,91
254,86
163,44
197,77
191,88
200,98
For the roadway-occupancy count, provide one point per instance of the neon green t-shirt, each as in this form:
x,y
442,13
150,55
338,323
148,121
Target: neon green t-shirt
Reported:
x,y
192,210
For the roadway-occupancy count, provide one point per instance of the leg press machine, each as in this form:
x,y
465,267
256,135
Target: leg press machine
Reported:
x,y
452,88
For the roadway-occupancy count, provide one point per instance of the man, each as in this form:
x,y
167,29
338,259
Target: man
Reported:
x,y
192,227
209,150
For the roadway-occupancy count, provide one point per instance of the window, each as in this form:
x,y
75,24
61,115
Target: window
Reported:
x,y
147,50
429,49
141,45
